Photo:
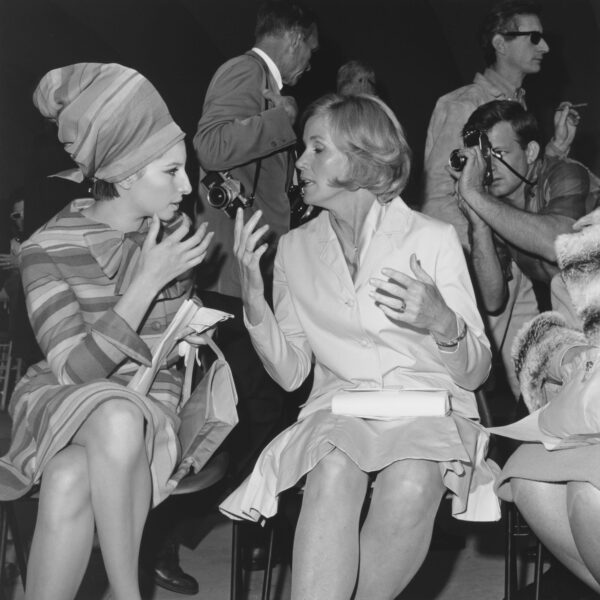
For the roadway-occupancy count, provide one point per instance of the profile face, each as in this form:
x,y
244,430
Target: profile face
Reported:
x,y
321,164
162,186
504,142
521,51
298,56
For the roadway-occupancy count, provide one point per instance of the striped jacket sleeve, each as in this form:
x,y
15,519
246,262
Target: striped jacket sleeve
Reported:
x,y
76,351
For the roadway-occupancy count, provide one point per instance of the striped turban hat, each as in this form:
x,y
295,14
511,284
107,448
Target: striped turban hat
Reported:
x,y
111,119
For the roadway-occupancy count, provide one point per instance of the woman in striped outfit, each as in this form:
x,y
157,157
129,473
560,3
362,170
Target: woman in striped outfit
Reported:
x,y
103,278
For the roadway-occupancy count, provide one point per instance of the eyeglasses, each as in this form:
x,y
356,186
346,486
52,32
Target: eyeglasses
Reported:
x,y
535,37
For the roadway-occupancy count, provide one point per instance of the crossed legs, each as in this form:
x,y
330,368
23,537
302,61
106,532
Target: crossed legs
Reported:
x,y
102,477
566,519
329,551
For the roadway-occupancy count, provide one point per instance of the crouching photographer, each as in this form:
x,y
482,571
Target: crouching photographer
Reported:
x,y
517,202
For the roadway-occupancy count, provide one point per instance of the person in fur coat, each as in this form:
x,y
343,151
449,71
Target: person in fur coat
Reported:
x,y
558,491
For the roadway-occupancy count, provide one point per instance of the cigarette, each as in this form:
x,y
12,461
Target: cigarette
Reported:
x,y
580,105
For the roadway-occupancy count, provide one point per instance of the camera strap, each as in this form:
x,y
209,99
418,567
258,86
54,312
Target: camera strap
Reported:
x,y
266,73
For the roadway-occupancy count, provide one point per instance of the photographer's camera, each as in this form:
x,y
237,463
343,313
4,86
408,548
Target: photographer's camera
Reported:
x,y
471,138
224,192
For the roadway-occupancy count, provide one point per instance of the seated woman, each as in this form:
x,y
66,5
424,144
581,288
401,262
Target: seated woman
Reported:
x,y
103,279
378,296
558,491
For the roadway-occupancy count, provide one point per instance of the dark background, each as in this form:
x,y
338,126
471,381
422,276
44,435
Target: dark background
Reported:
x,y
420,49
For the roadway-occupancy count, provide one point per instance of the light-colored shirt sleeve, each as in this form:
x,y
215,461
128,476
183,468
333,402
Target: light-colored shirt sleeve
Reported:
x,y
444,134
281,342
469,363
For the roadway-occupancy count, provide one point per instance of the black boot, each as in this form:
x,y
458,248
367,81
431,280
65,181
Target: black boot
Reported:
x,y
168,573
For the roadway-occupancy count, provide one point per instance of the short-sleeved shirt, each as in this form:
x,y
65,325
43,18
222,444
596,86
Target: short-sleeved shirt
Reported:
x,y
561,187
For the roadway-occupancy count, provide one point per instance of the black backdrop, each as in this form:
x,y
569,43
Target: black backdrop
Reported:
x,y
420,49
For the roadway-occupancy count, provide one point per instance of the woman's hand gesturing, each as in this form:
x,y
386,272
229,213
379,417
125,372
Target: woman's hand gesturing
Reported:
x,y
414,300
161,262
246,237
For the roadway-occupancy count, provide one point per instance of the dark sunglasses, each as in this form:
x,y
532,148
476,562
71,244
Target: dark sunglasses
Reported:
x,y
535,37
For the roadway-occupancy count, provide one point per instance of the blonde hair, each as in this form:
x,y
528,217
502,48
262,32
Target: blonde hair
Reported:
x,y
366,130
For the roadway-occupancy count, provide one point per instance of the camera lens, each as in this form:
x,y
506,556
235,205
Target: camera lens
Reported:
x,y
457,160
218,196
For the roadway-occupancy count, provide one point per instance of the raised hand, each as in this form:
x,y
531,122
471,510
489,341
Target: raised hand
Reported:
x,y
471,177
566,119
161,262
414,300
245,240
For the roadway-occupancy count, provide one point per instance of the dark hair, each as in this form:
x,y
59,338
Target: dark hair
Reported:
x,y
355,74
522,121
103,190
366,130
501,18
275,17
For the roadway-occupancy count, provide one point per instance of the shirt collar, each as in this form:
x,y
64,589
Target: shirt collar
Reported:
x,y
501,87
117,253
271,66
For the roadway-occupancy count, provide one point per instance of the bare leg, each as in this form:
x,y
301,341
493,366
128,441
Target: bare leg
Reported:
x,y
405,500
583,504
64,531
119,474
325,561
544,506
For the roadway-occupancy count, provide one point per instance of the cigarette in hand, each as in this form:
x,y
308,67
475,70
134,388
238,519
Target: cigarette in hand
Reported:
x,y
579,105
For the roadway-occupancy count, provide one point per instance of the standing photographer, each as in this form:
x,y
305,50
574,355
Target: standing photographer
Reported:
x,y
246,131
515,218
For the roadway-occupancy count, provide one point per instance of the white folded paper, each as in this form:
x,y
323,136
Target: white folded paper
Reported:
x,y
389,404
191,318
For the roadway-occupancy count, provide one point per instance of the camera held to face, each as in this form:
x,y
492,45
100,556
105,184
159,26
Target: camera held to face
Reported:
x,y
472,138
224,192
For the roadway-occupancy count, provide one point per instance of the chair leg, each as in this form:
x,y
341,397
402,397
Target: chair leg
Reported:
x,y
510,555
266,588
539,563
20,549
236,562
3,544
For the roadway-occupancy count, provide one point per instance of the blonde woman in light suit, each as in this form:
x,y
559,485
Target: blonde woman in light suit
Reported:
x,y
376,295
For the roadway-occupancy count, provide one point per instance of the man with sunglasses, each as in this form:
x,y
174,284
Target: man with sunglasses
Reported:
x,y
513,44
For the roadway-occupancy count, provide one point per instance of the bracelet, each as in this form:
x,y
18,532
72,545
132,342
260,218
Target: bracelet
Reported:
x,y
462,334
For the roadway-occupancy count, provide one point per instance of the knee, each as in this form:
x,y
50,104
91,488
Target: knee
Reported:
x,y
583,501
117,430
65,488
412,492
336,475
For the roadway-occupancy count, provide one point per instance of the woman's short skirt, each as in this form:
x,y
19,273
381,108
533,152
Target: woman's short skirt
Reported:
x,y
532,461
457,444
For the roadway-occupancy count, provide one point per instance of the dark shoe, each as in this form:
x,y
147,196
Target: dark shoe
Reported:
x,y
175,579
168,573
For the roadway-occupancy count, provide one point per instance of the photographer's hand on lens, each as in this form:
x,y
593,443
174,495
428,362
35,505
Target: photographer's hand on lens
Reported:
x,y
414,300
288,104
566,120
246,237
471,178
161,262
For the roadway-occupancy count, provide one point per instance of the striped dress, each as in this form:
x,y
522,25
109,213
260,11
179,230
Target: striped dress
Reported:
x,y
74,271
